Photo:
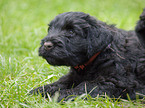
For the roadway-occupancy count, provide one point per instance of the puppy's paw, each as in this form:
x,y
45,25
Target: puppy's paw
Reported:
x,y
36,91
45,90
65,95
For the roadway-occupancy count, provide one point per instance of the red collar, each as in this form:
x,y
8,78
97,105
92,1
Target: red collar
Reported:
x,y
82,67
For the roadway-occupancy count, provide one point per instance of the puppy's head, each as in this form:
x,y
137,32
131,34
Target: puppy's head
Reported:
x,y
72,38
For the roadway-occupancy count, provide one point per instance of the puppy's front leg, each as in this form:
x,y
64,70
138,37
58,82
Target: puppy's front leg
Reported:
x,y
64,82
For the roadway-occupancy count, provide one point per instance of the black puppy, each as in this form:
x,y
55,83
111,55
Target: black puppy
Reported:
x,y
103,59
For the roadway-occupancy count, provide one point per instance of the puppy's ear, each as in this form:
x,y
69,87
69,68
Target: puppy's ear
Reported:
x,y
98,38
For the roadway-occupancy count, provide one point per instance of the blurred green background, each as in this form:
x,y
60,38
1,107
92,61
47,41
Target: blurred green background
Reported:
x,y
23,23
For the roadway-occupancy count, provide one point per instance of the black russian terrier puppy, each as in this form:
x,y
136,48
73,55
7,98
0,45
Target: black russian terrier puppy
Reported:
x,y
103,58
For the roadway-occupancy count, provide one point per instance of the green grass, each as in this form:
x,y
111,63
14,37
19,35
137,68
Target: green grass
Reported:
x,y
23,23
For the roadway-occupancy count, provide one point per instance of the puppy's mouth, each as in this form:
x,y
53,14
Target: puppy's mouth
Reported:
x,y
51,59
58,58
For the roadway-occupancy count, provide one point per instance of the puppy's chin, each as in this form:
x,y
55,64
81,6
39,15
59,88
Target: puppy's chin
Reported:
x,y
51,61
55,62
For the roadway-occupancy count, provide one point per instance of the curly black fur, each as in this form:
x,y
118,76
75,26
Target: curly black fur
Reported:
x,y
74,37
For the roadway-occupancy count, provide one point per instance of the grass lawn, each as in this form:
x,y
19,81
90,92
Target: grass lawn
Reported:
x,y
23,23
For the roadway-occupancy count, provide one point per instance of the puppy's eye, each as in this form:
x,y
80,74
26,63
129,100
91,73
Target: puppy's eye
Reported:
x,y
71,32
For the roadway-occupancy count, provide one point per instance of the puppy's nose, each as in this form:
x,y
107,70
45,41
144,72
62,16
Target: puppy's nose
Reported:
x,y
48,45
